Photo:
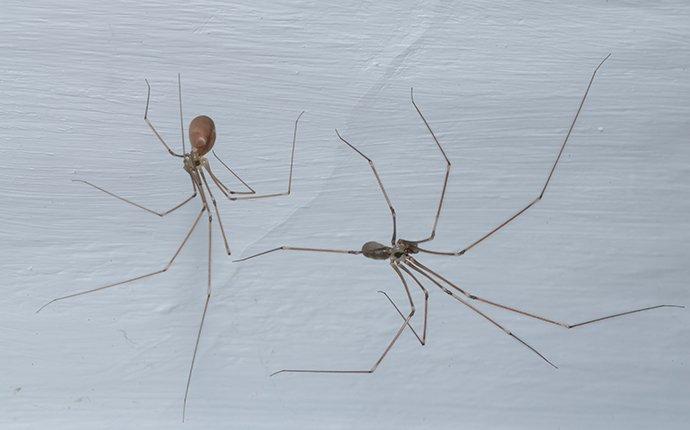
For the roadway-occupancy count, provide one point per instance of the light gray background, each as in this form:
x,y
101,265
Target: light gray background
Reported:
x,y
498,82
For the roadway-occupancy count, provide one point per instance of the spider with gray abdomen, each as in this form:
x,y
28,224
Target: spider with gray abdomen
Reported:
x,y
202,137
400,256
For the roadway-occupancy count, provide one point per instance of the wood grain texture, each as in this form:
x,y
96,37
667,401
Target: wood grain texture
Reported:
x,y
499,84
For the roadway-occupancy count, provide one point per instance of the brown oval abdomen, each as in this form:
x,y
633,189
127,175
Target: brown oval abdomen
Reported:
x,y
202,134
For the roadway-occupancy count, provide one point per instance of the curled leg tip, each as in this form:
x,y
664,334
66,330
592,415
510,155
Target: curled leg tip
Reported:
x,y
44,306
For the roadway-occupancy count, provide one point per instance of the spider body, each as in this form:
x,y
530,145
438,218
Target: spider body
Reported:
x,y
378,251
202,136
407,268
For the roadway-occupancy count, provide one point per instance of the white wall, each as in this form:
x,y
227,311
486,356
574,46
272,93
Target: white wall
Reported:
x,y
499,84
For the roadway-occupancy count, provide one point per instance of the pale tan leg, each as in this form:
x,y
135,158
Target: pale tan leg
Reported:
x,y
385,352
217,181
546,184
531,315
146,118
179,93
215,206
294,248
445,178
488,318
378,179
165,269
160,214
203,318
422,339
292,162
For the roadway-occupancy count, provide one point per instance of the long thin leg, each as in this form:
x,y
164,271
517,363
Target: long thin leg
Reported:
x,y
378,179
215,206
488,318
567,325
251,190
531,315
203,317
385,352
421,339
165,269
546,184
295,248
223,188
146,118
292,162
445,179
160,214
179,92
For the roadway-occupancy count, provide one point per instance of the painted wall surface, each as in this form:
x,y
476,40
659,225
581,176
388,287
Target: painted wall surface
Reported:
x,y
499,83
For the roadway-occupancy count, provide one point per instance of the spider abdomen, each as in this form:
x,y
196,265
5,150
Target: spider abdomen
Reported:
x,y
376,250
202,134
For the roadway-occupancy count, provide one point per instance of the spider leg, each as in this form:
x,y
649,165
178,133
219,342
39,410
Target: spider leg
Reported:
x,y
388,347
179,93
165,269
531,315
203,318
378,179
160,214
146,118
294,248
219,183
215,206
292,162
445,179
422,339
546,184
488,318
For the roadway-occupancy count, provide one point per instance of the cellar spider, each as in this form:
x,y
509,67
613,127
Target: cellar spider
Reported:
x,y
400,257
202,136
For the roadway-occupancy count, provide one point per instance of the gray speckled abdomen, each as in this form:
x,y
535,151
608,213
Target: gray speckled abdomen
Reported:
x,y
376,250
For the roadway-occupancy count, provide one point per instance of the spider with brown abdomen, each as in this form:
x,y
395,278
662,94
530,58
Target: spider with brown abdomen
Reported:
x,y
202,137
400,256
